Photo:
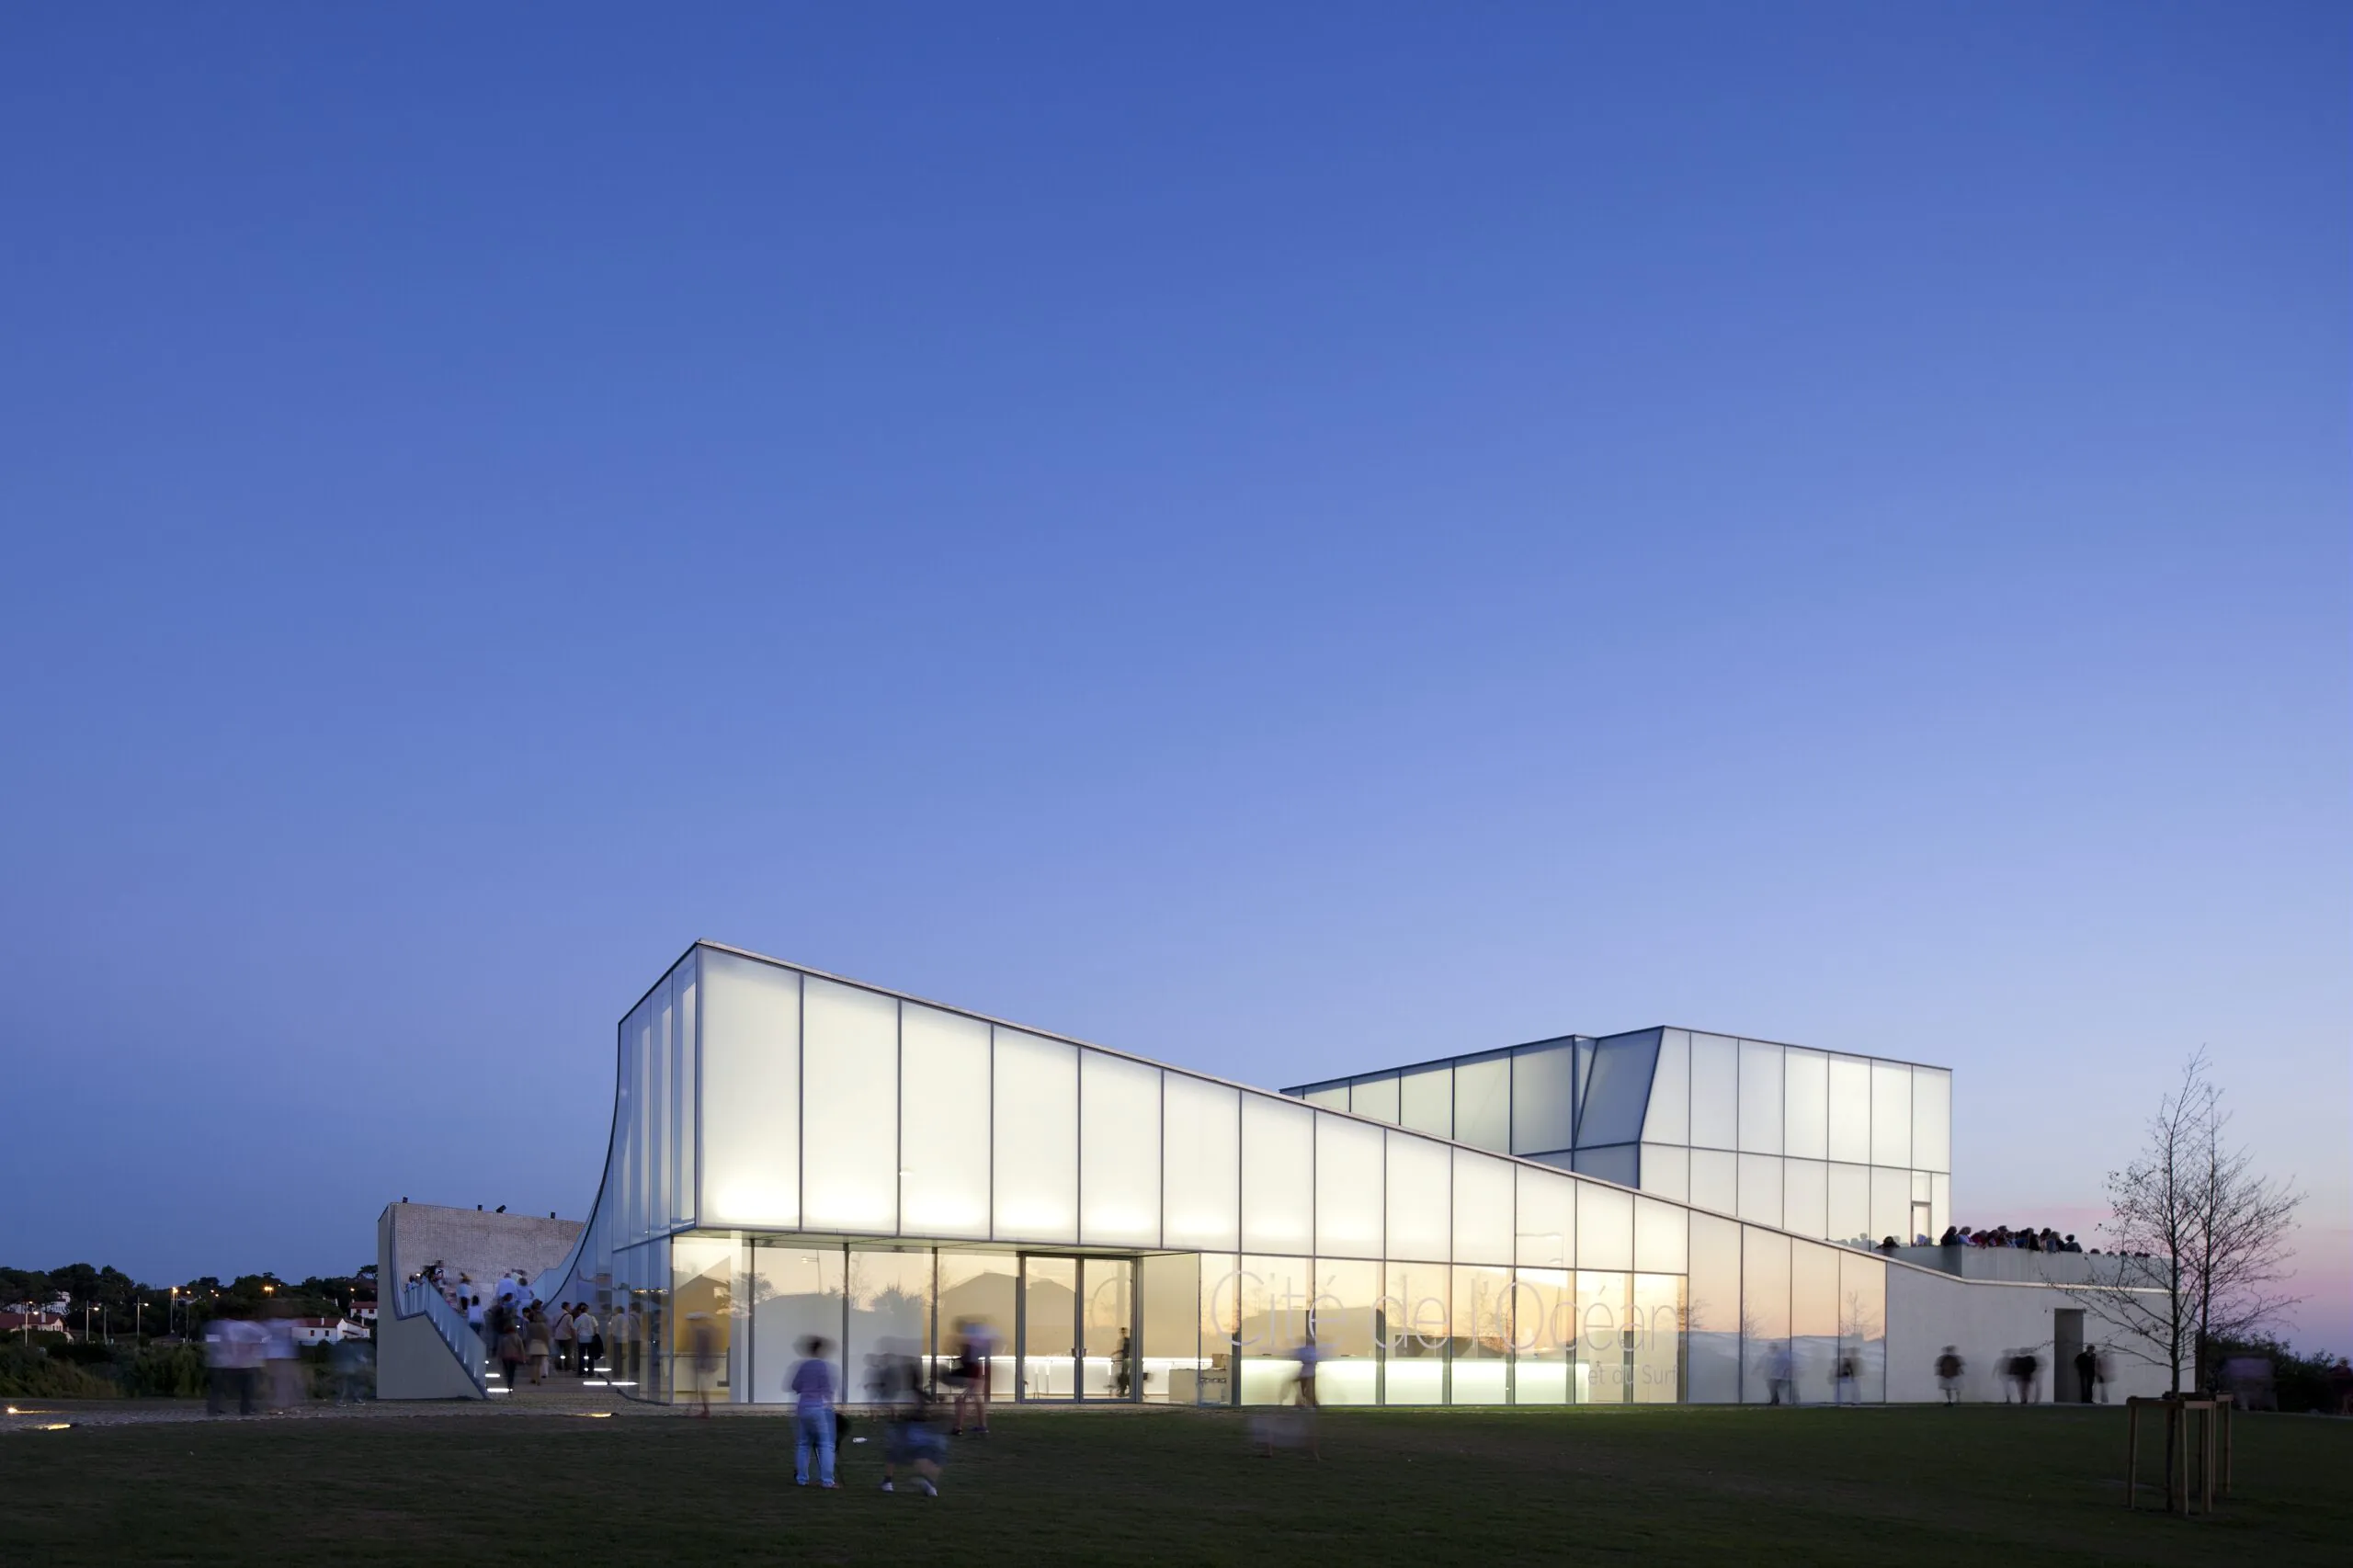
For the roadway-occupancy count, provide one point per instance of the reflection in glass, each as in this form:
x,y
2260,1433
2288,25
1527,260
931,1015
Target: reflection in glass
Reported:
x,y
944,1123
1482,1103
1766,1365
849,1107
1345,1320
978,1287
1543,1333
1037,1138
1170,1284
1617,1093
1714,1331
1668,1120
1413,1325
1275,1293
1654,1348
702,1276
1605,1349
1201,1161
1049,1327
1118,1104
1106,1320
1862,1324
796,1291
1813,1318
1660,1236
1482,1338
1421,1205
890,1316
1805,1103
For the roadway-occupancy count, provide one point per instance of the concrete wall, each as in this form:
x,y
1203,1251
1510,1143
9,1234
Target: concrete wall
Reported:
x,y
2019,1266
1983,1319
412,1362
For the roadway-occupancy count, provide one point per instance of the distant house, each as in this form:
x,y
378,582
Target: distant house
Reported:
x,y
26,1318
364,1312
326,1330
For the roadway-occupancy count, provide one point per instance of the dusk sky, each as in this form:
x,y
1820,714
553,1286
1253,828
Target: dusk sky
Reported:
x,y
1286,543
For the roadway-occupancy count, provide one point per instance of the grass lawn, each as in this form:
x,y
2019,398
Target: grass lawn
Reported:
x,y
1979,1484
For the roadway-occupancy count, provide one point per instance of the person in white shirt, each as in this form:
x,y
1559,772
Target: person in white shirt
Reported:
x,y
561,1335
584,1332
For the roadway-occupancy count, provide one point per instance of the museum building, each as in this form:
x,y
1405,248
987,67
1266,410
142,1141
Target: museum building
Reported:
x,y
1653,1217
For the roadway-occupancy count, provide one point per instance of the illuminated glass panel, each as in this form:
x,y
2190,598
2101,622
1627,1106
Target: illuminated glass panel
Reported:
x,y
1543,1333
1277,1175
1275,1293
1760,1189
1036,1150
1714,1311
1890,1204
1667,1171
1931,1119
1482,1338
1482,1208
1850,1109
1425,1100
1349,1184
1850,1204
1548,1218
849,1107
1767,1369
1654,1331
751,1093
1715,1181
1421,1202
1201,1165
1805,1104
1813,1318
1805,1197
1715,1092
1414,1330
1660,1245
1761,1074
1119,1175
1482,1103
1604,1367
1345,1319
1375,1097
944,1123
1862,1324
1543,1098
1891,1114
1605,1227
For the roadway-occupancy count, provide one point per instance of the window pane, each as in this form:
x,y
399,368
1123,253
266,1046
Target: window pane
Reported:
x,y
1118,1178
1760,1189
944,1123
702,1282
1766,1367
1656,1355
1425,1100
1891,1114
1618,1092
1760,1098
1605,1227
1850,1109
1037,1138
977,1291
1421,1202
683,1126
1221,1290
1548,1218
1348,1185
1805,1198
796,1292
1805,1104
1482,1341
1890,1204
1604,1348
1482,1208
1344,1318
1940,1204
1543,1098
1862,1324
1667,1171
1275,1293
1660,1245
849,1106
1715,1091
1413,1326
1715,1181
890,1314
1482,1103
1544,1329
1931,1119
1375,1097
1277,1175
1201,1165
1169,1288
1621,1165
1715,1307
1850,1205
751,1090
1814,1319
1670,1118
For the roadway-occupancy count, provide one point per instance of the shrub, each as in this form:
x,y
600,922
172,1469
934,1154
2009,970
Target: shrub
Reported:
x,y
169,1371
28,1371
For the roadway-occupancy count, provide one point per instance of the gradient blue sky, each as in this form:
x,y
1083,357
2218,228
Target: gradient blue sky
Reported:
x,y
1283,542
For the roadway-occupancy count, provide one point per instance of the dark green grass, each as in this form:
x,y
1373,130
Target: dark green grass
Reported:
x,y
1978,1484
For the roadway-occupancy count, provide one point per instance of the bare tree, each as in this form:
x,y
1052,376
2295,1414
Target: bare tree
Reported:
x,y
2200,1240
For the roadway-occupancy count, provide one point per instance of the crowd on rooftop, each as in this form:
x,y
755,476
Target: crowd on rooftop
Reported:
x,y
2026,1238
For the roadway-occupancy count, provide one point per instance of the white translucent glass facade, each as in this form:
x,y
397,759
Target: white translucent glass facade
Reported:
x,y
796,1154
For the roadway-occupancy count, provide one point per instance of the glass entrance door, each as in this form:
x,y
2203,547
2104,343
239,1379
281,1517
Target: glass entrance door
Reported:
x,y
1077,1316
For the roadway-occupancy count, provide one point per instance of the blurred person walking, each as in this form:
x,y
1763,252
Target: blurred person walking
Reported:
x,y
560,1337
536,1343
812,1386
1949,1370
2087,1373
973,1376
585,1344
285,1359
231,1355
510,1354
913,1439
703,1346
